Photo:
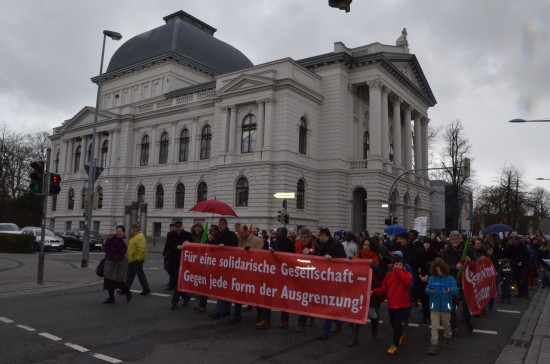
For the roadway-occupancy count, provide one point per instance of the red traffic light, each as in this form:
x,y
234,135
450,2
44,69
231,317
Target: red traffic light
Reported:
x,y
56,178
55,188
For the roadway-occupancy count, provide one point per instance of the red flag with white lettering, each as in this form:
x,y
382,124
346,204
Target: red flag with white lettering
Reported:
x,y
479,284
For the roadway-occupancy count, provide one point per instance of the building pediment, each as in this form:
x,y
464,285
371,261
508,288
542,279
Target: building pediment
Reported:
x,y
407,70
245,82
85,118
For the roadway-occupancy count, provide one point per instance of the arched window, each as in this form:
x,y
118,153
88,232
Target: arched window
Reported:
x,y
144,153
300,195
159,197
184,145
83,199
391,152
206,138
180,195
104,150
141,194
366,145
57,163
241,199
77,158
202,192
99,192
302,141
70,200
248,141
164,143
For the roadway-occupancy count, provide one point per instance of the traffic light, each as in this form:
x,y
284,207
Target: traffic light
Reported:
x,y
394,220
286,218
281,216
37,176
55,187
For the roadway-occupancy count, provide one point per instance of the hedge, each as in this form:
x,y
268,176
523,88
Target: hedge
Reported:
x,y
16,243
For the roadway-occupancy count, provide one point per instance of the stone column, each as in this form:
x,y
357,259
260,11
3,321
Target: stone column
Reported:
x,y
407,138
417,143
232,129
268,134
424,137
153,147
113,134
223,129
385,125
375,118
83,147
260,128
66,165
195,142
174,144
397,130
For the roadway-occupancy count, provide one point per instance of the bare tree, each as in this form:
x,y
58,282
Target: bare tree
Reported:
x,y
539,205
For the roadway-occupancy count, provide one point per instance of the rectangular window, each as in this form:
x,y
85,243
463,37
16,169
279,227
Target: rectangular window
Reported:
x,y
96,227
157,226
81,225
68,225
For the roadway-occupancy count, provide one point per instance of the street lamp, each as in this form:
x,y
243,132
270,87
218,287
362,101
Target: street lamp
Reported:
x,y
529,121
92,168
543,179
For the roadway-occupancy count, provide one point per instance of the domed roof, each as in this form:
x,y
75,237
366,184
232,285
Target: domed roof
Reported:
x,y
184,37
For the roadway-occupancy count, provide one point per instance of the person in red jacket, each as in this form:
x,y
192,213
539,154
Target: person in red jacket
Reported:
x,y
395,287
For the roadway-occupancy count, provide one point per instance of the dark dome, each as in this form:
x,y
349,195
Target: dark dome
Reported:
x,y
181,39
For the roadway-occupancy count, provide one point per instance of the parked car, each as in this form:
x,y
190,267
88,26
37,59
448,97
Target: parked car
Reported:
x,y
75,239
9,228
51,240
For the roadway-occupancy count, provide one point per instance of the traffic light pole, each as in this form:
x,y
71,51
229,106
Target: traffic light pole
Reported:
x,y
45,188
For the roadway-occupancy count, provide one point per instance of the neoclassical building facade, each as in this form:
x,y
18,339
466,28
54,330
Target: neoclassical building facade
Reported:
x,y
185,117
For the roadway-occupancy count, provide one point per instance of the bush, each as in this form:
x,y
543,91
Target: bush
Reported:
x,y
16,243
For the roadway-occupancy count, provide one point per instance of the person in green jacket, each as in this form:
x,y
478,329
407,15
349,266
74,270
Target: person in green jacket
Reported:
x,y
137,254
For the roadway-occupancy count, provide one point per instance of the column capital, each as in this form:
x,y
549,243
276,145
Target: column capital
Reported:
x,y
396,99
407,108
269,100
224,108
375,84
386,91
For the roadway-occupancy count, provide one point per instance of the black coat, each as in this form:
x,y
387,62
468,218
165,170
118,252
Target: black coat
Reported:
x,y
172,253
332,247
227,237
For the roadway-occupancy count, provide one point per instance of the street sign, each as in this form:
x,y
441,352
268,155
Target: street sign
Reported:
x,y
284,195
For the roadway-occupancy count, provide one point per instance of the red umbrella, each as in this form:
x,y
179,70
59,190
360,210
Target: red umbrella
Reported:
x,y
214,207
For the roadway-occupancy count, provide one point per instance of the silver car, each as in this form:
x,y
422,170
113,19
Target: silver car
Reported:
x,y
9,228
51,241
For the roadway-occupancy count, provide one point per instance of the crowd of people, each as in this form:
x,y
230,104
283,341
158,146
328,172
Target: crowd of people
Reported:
x,y
408,271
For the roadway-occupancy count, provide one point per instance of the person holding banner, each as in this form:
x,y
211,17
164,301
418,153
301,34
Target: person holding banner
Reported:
x,y
370,251
441,288
452,255
329,248
174,242
304,245
395,287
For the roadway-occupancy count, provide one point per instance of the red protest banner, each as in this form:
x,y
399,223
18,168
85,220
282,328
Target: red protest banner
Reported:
x,y
479,284
301,284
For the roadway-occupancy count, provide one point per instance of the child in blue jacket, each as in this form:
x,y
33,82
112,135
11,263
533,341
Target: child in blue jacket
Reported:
x,y
441,288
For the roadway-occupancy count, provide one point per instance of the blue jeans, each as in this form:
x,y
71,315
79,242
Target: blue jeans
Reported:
x,y
327,325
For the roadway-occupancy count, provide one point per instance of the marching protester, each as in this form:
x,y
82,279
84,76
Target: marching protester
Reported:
x,y
174,243
425,257
170,285
211,238
506,278
137,254
349,245
116,265
452,255
441,288
395,287
519,261
369,251
304,245
329,248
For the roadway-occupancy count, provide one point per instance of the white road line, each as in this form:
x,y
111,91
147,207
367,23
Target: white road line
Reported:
x,y
77,347
6,320
508,311
413,324
50,336
26,328
161,295
486,332
106,358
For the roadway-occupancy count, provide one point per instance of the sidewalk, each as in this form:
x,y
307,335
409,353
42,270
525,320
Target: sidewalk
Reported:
x,y
530,343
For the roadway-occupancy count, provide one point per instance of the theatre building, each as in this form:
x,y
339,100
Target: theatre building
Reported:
x,y
185,117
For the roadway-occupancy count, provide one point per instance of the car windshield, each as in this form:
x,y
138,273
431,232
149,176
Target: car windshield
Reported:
x,y
92,234
9,227
49,233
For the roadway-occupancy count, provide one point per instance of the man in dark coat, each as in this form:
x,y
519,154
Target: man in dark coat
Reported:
x,y
519,259
175,239
453,255
329,248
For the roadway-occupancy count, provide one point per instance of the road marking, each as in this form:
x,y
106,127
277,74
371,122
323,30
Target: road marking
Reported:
x,y
50,336
6,320
106,358
508,311
153,294
26,328
486,332
77,347
411,324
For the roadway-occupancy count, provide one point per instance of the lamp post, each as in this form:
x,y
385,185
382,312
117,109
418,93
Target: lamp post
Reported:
x,y
529,121
92,168
543,179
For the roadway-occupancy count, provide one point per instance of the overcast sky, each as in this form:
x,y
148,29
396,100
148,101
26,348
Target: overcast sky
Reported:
x,y
487,61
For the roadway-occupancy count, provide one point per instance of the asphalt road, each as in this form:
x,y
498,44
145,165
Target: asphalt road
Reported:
x,y
66,322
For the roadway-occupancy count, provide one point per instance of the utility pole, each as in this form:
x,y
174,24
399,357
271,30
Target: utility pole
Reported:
x,y
45,189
